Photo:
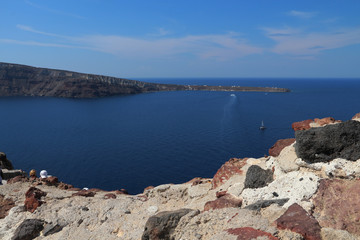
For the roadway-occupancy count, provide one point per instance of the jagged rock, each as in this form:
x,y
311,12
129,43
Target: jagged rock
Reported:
x,y
162,225
5,206
298,220
28,229
246,233
227,170
280,145
33,199
84,193
287,160
256,177
8,174
303,125
5,163
327,143
51,228
324,121
20,178
225,201
337,205
265,203
110,195
297,186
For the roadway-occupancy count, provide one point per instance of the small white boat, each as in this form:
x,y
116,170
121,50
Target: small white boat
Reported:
x,y
232,95
262,127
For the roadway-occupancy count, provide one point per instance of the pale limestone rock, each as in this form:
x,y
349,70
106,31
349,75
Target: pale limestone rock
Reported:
x,y
152,209
289,235
297,186
287,159
334,234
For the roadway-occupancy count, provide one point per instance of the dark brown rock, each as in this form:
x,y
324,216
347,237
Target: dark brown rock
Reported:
x,y
5,206
65,186
225,201
246,233
296,219
337,204
256,177
84,193
33,199
110,195
28,229
303,125
327,143
4,162
16,179
280,145
162,225
227,170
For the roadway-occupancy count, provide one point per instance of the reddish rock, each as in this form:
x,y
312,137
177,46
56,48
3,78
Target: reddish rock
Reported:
x,y
84,193
149,188
337,204
110,195
227,170
5,206
50,181
356,116
74,189
95,190
65,186
198,180
33,199
280,145
220,194
121,191
17,179
225,201
246,233
296,219
303,125
325,121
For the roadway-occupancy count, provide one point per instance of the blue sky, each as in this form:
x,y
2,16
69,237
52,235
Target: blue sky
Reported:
x,y
187,38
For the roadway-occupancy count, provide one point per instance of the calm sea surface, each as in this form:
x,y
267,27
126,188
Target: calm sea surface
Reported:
x,y
135,141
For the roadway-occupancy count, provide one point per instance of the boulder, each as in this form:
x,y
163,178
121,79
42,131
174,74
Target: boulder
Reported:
x,y
84,193
28,229
245,233
266,203
303,125
33,199
337,205
332,141
224,201
8,174
298,220
280,145
227,170
4,162
256,177
324,121
5,206
163,224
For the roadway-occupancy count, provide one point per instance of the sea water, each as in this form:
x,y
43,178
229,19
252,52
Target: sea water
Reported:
x,y
147,139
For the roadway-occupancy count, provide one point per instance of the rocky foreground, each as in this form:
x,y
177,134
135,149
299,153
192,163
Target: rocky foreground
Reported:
x,y
308,188
21,80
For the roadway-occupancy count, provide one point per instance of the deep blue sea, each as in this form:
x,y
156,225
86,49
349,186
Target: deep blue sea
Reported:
x,y
147,139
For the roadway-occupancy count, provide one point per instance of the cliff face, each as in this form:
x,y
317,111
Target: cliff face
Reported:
x,y
21,80
278,197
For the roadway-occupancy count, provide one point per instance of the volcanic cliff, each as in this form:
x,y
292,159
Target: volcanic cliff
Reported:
x,y
308,188
21,80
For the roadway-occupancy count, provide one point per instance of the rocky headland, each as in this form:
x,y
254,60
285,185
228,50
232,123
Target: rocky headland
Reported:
x,y
21,80
307,188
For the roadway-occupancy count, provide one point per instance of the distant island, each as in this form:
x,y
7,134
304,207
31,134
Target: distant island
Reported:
x,y
22,80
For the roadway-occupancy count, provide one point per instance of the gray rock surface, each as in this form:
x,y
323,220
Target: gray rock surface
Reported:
x,y
256,177
28,229
327,143
265,203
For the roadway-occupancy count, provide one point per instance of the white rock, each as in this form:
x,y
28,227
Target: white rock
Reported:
x,y
152,209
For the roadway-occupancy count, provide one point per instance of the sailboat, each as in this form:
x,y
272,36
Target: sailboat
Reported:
x,y
262,127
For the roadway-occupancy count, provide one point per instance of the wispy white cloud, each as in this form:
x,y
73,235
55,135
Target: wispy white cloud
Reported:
x,y
53,10
219,47
299,43
301,14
